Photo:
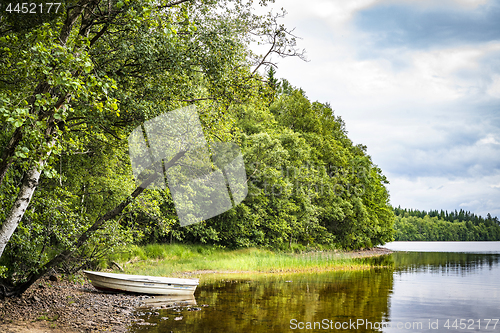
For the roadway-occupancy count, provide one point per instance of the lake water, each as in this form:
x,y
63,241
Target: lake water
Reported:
x,y
456,288
462,247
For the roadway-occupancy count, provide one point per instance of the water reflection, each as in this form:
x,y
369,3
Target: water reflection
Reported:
x,y
453,263
268,303
441,287
159,302
413,288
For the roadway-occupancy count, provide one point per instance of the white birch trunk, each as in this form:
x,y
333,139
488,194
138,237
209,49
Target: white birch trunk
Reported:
x,y
28,187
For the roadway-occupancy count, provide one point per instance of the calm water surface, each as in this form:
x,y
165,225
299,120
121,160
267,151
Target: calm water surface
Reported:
x,y
462,247
419,291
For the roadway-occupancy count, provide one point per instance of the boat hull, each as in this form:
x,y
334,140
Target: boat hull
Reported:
x,y
142,284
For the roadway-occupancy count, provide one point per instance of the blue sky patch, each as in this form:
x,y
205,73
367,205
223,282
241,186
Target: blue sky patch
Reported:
x,y
411,26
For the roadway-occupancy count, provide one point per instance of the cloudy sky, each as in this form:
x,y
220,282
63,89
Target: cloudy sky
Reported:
x,y
416,81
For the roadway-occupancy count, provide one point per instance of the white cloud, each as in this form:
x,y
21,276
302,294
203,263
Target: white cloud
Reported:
x,y
494,88
336,72
472,3
490,139
468,205
469,4
420,112
339,11
336,11
428,193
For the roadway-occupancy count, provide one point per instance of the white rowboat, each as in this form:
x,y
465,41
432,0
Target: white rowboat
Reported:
x,y
152,285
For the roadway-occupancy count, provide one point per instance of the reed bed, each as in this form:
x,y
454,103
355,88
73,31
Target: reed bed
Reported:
x,y
176,260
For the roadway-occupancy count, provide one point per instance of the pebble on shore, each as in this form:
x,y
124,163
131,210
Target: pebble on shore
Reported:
x,y
63,306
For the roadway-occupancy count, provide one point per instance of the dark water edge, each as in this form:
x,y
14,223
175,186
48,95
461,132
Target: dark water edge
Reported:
x,y
415,292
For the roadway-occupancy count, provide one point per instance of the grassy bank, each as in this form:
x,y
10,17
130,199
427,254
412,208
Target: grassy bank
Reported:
x,y
173,260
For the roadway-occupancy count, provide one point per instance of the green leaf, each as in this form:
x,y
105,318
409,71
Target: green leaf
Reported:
x,y
20,154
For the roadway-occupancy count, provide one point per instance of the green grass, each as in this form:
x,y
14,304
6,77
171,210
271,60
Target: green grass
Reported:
x,y
173,260
45,317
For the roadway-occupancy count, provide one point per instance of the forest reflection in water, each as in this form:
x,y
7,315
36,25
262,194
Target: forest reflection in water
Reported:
x,y
412,287
267,303
440,288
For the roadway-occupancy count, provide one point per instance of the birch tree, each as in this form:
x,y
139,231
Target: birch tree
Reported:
x,y
91,74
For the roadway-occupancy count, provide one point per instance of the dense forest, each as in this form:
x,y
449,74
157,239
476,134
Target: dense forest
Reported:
x,y
416,225
73,86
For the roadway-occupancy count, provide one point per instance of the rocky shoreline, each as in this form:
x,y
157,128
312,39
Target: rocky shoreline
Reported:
x,y
63,306
373,252
57,306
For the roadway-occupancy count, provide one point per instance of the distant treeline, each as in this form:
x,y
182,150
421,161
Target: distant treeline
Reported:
x,y
416,225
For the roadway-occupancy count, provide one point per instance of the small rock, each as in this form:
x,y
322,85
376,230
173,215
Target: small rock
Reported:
x,y
178,318
164,318
146,324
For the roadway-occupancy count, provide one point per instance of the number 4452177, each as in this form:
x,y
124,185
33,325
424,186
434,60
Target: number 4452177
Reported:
x,y
462,324
33,8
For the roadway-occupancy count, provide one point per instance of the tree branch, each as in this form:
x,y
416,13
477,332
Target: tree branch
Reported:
x,y
173,4
99,34
63,256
